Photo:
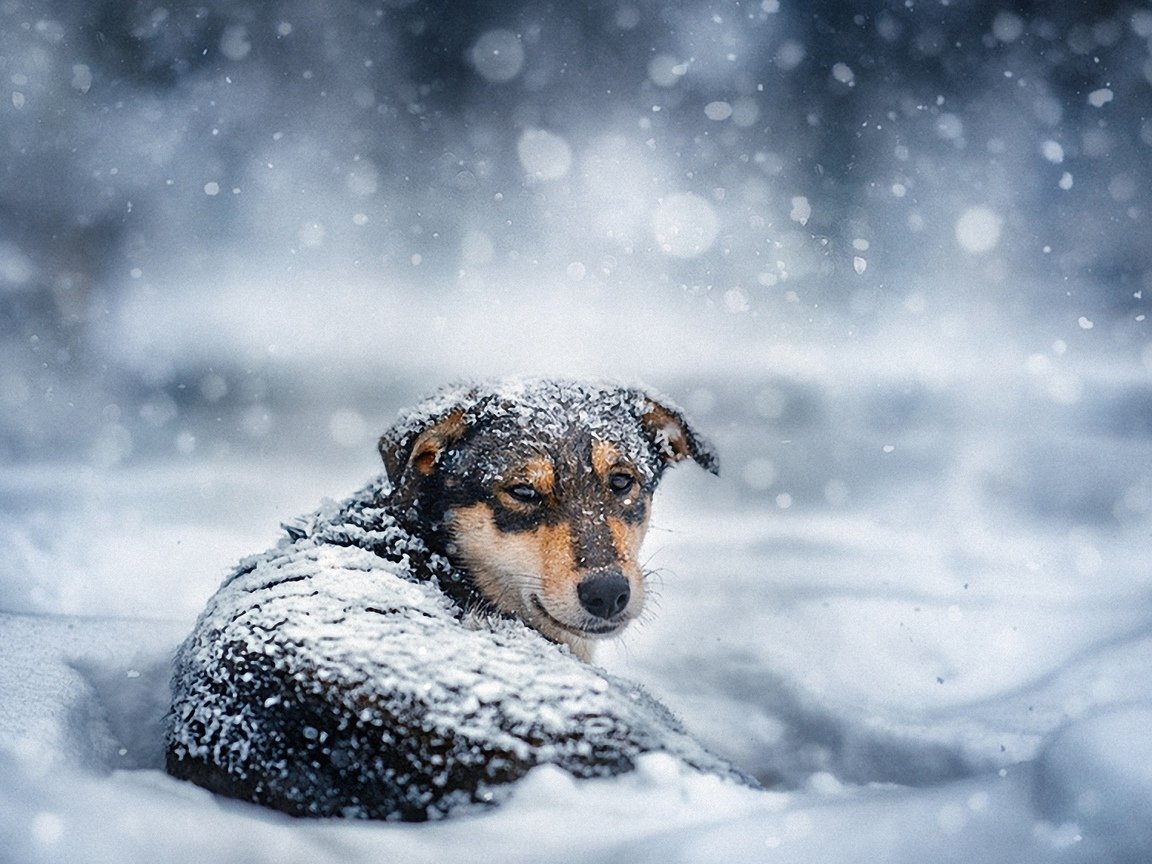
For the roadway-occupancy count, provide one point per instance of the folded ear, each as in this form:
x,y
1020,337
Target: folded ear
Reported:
x,y
673,439
417,441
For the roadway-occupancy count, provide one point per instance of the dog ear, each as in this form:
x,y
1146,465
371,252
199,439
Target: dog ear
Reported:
x,y
420,447
673,439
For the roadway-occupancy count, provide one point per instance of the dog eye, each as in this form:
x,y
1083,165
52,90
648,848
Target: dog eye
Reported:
x,y
523,493
621,483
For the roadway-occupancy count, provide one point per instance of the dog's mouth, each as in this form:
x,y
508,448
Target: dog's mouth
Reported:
x,y
593,631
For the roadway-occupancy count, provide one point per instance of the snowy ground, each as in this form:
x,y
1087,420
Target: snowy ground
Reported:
x,y
909,581
892,257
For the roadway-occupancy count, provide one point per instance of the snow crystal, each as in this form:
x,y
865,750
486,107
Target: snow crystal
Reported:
x,y
1142,23
843,73
745,112
15,267
736,300
859,264
718,110
185,443
81,77
664,70
1007,27
234,42
950,127
685,225
801,210
1052,151
1065,182
1122,187
789,55
544,155
363,179
498,56
1100,98
978,230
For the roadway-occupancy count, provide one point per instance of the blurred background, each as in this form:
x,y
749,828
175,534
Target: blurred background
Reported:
x,y
893,256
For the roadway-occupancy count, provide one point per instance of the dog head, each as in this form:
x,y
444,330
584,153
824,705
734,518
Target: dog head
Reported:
x,y
541,491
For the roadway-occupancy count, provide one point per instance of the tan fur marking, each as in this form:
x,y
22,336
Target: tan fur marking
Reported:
x,y
511,568
428,446
558,574
626,538
668,432
504,563
495,560
518,570
604,457
541,474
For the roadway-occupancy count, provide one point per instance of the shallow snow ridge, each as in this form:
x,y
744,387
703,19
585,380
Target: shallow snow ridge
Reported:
x,y
333,675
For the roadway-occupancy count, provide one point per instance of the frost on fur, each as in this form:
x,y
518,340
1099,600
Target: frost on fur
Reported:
x,y
342,673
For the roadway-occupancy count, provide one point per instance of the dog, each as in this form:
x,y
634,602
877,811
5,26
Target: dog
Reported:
x,y
409,653
541,492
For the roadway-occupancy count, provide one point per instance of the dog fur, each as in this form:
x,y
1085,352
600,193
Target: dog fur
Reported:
x,y
376,663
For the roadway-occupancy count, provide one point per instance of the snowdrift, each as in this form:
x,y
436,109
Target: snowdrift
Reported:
x,y
82,730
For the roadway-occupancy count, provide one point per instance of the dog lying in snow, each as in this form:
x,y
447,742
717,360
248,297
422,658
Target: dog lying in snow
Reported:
x,y
376,663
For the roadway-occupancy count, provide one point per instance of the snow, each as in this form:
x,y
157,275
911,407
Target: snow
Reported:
x,y
685,225
665,70
1100,98
239,238
543,154
910,657
801,210
1097,775
718,110
498,55
978,229
1052,151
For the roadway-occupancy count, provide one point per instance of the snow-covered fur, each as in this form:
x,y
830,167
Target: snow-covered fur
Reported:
x,y
350,671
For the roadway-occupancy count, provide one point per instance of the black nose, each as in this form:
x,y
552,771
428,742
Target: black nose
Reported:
x,y
604,594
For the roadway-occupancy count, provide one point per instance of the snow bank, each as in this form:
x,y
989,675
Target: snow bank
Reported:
x,y
80,758
68,796
1097,775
